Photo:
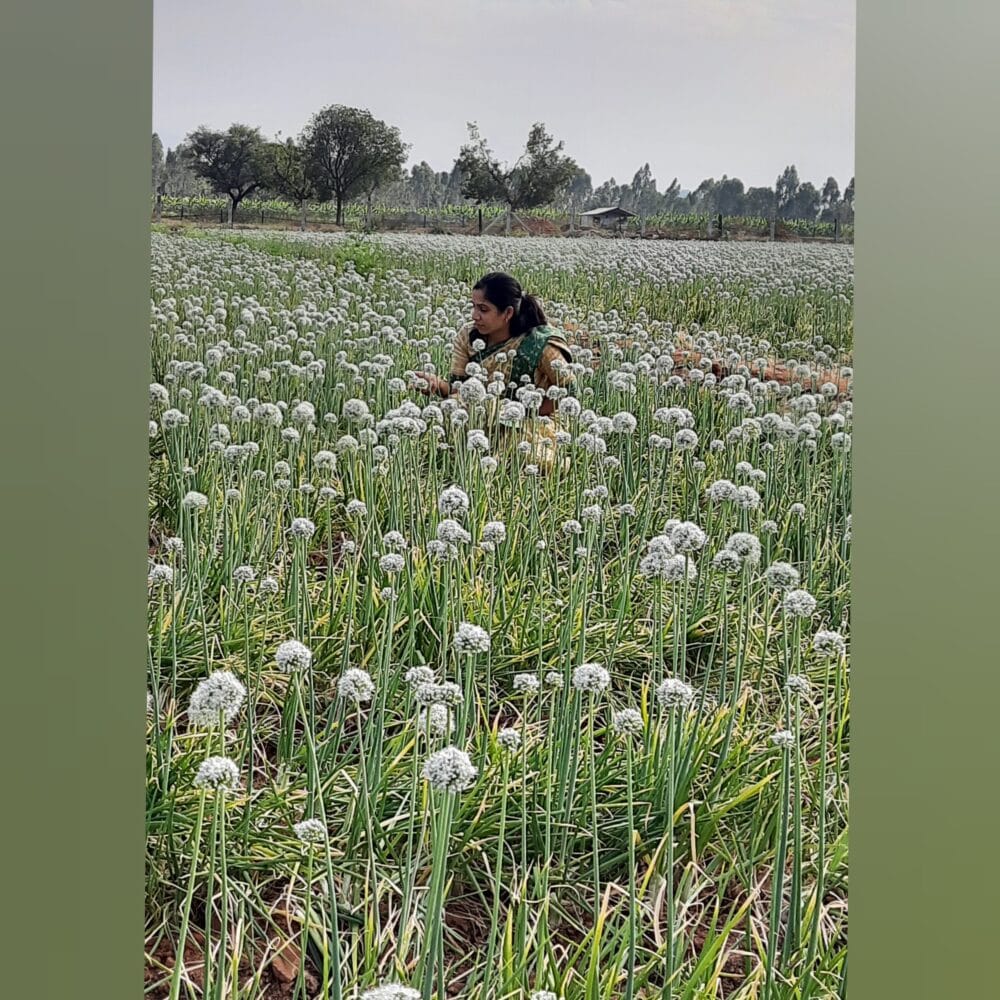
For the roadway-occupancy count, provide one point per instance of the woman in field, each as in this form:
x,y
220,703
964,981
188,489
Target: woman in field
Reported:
x,y
508,336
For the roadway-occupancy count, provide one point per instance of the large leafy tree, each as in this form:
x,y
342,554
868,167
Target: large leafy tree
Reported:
x,y
288,175
350,152
538,177
233,162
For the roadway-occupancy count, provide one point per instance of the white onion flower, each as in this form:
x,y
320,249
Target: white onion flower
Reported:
x,y
194,501
219,693
453,500
160,575
721,490
781,576
674,693
445,693
391,991
217,773
471,639
436,719
419,675
356,508
627,722
310,831
799,603
452,533
688,537
827,643
512,413
509,739
392,562
797,684
525,683
302,527
727,561
494,532
449,770
746,546
292,656
356,685
685,440
591,677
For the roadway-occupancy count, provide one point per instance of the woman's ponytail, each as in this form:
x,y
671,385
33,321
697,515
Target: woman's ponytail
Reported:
x,y
529,315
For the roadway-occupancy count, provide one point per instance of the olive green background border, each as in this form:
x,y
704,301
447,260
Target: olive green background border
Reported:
x,y
76,91
924,805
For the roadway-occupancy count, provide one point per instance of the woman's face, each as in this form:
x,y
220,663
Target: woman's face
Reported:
x,y
486,318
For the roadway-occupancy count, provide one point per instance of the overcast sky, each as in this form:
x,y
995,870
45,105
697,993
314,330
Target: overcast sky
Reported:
x,y
696,88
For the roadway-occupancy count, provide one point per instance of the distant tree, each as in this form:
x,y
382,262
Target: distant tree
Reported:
x,y
233,162
670,198
425,187
829,200
539,176
848,202
178,180
607,195
730,197
288,176
702,198
348,151
785,189
644,197
453,184
806,203
158,164
387,179
581,187
759,202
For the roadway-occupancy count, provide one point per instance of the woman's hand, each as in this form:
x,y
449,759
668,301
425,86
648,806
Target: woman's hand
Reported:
x,y
428,384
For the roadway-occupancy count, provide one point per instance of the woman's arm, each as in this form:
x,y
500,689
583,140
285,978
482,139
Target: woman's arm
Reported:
x,y
460,355
553,369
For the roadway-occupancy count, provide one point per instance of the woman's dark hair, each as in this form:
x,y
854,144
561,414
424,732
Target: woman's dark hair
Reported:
x,y
502,291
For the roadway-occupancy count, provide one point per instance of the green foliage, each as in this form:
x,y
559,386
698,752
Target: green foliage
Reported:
x,y
540,174
348,151
232,162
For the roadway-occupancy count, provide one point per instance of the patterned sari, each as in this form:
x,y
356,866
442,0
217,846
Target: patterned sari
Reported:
x,y
542,354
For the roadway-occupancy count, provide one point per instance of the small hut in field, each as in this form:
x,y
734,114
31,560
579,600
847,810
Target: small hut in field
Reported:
x,y
605,218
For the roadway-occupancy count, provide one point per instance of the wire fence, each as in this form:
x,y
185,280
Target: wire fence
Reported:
x,y
472,220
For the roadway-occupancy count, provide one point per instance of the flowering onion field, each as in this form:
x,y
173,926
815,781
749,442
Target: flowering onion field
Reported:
x,y
447,699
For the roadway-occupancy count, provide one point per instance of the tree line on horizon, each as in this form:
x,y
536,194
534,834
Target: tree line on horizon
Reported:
x,y
346,155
